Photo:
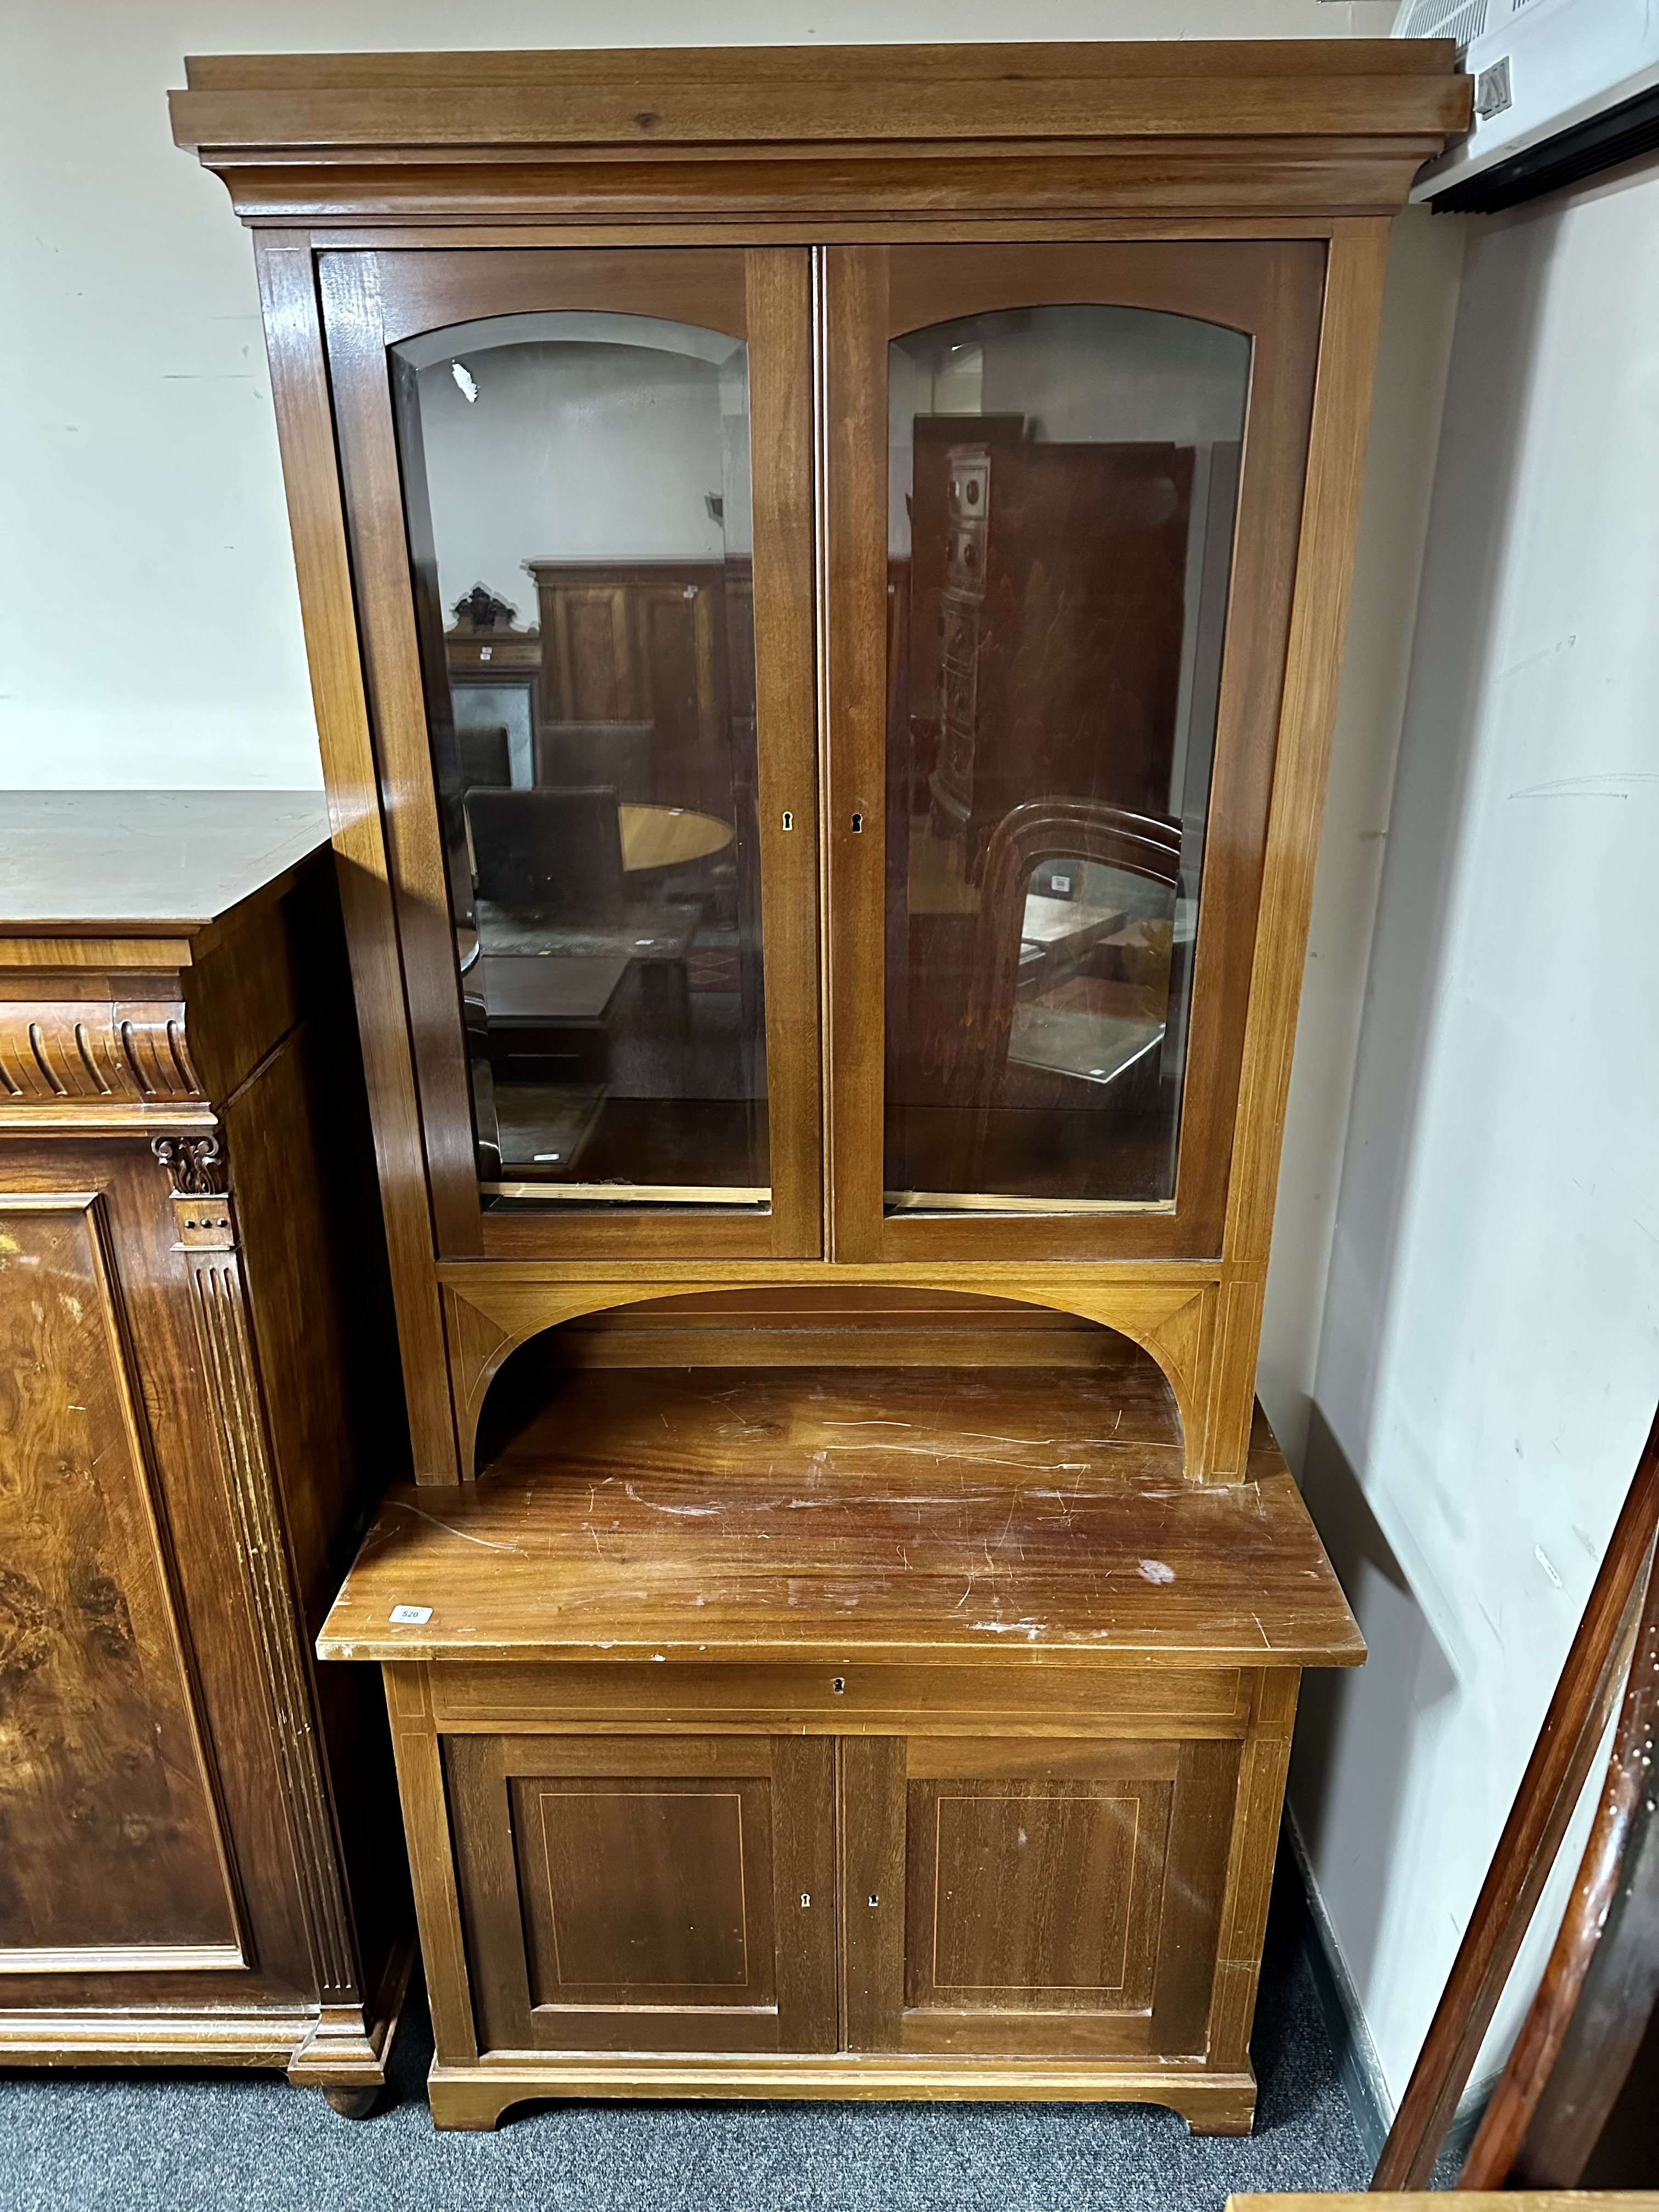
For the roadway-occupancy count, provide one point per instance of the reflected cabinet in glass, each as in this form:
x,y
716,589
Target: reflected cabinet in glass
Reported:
x,y
1063,492
576,488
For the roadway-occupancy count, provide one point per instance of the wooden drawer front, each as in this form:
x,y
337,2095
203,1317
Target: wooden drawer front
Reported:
x,y
647,1894
1010,1700
1061,1899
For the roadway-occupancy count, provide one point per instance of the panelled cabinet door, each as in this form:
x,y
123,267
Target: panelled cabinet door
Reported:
x,y
1063,498
637,1894
1035,1898
114,1858
580,492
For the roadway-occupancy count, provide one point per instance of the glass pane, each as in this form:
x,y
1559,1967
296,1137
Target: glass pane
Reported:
x,y
1063,483
576,488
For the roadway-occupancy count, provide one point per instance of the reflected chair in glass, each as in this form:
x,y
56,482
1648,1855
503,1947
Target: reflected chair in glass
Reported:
x,y
551,886
1050,1035
485,759
620,754
556,854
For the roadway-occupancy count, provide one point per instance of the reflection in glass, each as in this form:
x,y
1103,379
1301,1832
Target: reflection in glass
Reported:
x,y
576,490
1063,484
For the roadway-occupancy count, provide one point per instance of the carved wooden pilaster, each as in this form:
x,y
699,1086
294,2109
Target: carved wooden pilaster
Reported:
x,y
205,1217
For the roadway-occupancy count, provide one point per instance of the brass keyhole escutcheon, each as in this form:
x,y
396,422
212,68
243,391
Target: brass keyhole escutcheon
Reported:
x,y
839,1685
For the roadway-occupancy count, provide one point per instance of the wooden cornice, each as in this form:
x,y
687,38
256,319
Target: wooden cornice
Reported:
x,y
1326,126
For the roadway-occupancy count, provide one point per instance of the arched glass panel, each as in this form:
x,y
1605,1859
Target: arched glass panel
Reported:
x,y
1063,485
577,494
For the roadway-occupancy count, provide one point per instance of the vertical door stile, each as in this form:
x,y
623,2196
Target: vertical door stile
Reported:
x,y
387,616
780,318
853,444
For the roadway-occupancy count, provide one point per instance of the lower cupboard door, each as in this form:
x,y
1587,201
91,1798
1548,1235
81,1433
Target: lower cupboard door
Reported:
x,y
1036,1899
648,1894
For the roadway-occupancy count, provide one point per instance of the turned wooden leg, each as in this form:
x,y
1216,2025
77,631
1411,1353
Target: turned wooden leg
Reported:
x,y
352,2103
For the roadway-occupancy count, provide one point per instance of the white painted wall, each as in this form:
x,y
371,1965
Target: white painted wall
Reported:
x,y
1426,268
579,451
1489,1356
150,629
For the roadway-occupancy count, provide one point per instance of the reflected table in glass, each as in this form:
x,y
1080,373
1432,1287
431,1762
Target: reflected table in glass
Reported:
x,y
669,837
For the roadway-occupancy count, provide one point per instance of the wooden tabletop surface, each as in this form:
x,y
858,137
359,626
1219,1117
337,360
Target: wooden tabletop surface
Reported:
x,y
523,989
147,862
798,1512
669,836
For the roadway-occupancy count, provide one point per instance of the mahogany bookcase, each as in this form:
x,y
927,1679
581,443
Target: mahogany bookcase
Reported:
x,y
824,573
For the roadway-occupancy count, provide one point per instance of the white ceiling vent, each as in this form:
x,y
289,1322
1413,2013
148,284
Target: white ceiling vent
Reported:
x,y
1563,89
1462,19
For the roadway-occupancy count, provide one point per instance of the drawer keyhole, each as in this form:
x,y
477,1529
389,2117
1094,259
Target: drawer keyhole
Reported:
x,y
874,1900
858,824
839,1685
805,1900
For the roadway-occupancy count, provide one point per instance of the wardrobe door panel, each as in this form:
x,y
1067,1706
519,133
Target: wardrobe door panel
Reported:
x,y
113,1858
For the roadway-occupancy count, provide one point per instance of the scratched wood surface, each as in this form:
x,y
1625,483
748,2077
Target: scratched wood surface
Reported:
x,y
108,1833
785,1511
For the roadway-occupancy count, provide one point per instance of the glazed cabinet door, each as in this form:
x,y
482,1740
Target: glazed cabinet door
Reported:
x,y
1037,1899
1063,493
642,1894
578,492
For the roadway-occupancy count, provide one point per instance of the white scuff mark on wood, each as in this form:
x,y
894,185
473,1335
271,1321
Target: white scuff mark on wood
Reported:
x,y
1157,1570
1030,1443
689,1512
1028,1628
401,1506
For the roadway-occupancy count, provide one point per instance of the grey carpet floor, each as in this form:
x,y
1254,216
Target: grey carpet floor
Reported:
x,y
251,2143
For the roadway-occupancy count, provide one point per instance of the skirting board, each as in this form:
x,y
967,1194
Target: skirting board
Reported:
x,y
1362,2079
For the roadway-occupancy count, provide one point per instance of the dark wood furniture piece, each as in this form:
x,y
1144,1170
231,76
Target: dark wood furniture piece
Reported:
x,y
884,1685
1575,2103
198,1406
1594,2005
1425,2200
670,643
1085,548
